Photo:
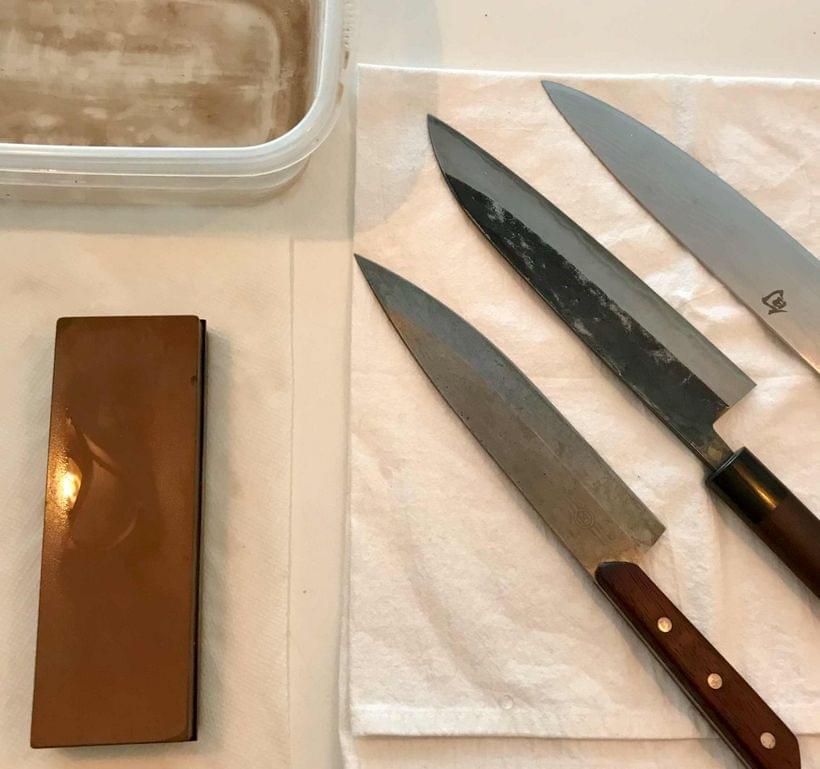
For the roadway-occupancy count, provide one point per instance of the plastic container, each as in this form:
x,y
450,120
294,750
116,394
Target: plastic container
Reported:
x,y
208,174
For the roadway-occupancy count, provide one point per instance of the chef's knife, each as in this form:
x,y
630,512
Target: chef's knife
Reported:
x,y
592,511
764,266
686,381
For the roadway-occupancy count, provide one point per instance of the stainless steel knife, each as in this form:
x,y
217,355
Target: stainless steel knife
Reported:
x,y
764,266
686,381
591,510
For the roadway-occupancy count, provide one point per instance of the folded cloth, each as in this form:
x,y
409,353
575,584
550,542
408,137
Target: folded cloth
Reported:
x,y
529,753
232,268
466,617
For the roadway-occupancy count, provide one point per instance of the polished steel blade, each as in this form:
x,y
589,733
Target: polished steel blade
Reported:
x,y
764,266
581,499
674,369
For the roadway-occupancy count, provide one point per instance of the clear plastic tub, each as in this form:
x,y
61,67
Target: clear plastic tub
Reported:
x,y
218,174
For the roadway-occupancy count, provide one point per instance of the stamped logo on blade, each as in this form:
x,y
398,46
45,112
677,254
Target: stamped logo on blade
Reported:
x,y
775,301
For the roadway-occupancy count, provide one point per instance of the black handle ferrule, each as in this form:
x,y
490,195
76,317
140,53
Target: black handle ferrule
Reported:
x,y
778,517
748,486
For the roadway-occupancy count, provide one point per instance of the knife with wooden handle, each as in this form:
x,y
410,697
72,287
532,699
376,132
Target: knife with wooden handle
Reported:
x,y
588,507
681,376
744,720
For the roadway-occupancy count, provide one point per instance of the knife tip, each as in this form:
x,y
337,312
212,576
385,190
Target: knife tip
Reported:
x,y
370,269
383,283
554,88
444,140
362,261
436,127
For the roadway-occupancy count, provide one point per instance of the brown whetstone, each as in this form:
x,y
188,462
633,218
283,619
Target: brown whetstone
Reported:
x,y
117,631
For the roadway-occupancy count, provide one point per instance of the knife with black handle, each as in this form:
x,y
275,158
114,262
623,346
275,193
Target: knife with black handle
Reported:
x,y
772,512
586,505
681,376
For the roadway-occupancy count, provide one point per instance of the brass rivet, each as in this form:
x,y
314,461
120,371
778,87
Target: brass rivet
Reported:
x,y
714,680
767,740
664,624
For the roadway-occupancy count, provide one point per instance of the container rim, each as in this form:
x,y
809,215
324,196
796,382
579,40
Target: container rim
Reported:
x,y
277,154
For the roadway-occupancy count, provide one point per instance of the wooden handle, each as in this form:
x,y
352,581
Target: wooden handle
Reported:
x,y
747,724
772,512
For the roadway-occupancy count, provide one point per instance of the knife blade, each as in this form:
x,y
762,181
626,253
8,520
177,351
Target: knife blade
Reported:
x,y
684,380
591,510
766,268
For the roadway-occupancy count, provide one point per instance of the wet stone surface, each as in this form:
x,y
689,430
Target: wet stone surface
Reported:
x,y
160,73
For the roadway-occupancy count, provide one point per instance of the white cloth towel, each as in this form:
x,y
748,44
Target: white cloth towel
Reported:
x,y
466,617
529,753
231,267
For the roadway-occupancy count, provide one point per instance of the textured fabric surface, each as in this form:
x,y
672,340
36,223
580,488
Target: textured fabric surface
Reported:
x,y
529,753
232,268
466,617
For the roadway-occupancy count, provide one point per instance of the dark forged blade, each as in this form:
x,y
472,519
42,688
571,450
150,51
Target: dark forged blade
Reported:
x,y
580,498
764,266
686,381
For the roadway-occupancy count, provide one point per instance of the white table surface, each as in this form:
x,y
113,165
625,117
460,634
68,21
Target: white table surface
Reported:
x,y
718,37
